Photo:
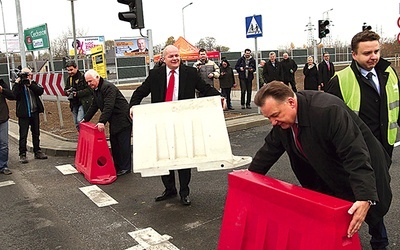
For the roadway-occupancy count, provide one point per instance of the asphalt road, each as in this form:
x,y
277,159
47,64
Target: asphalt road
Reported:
x,y
45,209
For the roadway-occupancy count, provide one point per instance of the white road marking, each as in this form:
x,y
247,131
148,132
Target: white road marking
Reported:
x,y
98,196
67,169
6,183
148,238
397,144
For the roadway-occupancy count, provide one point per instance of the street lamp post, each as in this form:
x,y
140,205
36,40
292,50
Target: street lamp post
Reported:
x,y
73,31
183,17
5,41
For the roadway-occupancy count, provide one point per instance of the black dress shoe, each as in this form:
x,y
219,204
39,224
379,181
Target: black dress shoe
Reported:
x,y
165,196
122,172
186,201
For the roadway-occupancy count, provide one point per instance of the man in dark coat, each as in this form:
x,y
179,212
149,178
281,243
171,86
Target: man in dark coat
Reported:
x,y
326,70
328,147
29,106
272,70
289,68
378,109
114,110
78,92
246,66
186,81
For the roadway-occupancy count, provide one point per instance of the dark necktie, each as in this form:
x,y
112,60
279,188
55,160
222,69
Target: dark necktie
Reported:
x,y
295,129
170,88
369,77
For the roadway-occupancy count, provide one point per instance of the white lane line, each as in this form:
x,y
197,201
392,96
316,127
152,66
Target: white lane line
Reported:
x,y
67,169
6,183
397,144
98,196
148,238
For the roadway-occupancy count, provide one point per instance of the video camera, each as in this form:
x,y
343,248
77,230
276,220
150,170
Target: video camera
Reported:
x,y
24,77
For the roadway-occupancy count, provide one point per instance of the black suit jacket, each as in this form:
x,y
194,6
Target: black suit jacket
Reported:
x,y
156,84
113,106
337,144
324,75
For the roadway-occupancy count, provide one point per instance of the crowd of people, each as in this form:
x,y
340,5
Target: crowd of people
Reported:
x,y
338,132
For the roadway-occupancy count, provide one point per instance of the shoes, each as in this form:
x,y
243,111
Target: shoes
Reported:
x,y
165,196
6,171
243,107
248,107
230,108
122,172
23,159
186,201
40,155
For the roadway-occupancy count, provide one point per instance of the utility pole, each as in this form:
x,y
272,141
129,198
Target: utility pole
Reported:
x,y
20,34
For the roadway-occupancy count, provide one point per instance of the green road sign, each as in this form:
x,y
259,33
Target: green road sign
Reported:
x,y
37,38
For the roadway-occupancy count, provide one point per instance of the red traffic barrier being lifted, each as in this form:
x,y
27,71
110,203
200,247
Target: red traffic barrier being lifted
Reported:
x,y
265,213
93,157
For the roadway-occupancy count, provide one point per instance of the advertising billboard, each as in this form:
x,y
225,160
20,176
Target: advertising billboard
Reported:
x,y
131,47
84,44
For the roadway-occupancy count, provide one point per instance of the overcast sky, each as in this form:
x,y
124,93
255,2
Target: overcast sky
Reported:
x,y
283,21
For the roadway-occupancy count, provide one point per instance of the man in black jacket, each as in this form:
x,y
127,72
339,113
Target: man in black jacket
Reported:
x,y
185,82
29,105
114,110
289,68
78,92
272,70
246,66
5,93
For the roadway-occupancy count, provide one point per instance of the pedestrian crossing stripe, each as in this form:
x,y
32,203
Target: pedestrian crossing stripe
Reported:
x,y
98,196
6,183
254,28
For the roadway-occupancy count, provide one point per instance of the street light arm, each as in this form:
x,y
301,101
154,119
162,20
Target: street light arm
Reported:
x,y
187,5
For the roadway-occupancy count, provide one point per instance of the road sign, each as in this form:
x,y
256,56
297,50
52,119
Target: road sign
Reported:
x,y
253,26
37,38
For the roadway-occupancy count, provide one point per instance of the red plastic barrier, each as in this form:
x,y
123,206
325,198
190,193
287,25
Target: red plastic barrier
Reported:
x,y
265,213
93,157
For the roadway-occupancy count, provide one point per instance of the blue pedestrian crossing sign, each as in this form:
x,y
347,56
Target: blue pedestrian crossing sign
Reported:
x,y
253,26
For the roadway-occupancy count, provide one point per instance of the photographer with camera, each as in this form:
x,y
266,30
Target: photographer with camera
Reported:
x,y
79,93
28,107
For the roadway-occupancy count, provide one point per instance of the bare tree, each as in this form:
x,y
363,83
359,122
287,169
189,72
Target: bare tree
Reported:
x,y
59,46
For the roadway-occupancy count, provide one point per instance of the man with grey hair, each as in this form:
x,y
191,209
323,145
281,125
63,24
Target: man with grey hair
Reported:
x,y
114,110
289,67
272,69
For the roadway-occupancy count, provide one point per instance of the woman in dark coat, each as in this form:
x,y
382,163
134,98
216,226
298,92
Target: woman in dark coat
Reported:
x,y
226,81
310,72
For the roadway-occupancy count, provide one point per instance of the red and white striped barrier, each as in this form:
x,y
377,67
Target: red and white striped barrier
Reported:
x,y
53,83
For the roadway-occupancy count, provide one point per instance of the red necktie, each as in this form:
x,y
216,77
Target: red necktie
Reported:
x,y
295,128
329,66
170,88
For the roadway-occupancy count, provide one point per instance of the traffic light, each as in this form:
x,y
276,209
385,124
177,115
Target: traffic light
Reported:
x,y
134,15
322,29
366,27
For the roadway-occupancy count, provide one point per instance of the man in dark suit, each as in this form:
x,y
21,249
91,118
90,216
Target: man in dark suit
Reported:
x,y
186,81
326,70
328,147
141,44
114,110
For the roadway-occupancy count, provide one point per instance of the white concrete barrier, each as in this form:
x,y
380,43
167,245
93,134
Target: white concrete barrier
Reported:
x,y
182,134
